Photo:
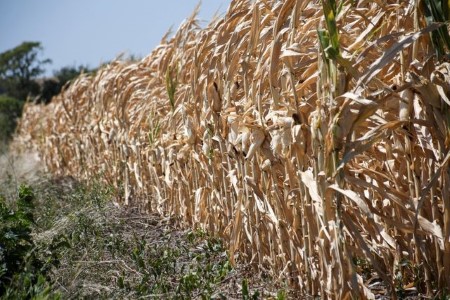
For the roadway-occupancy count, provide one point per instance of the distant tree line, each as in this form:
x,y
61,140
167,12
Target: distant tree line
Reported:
x,y
21,70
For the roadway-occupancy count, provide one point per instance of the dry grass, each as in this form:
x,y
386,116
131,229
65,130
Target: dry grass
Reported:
x,y
302,154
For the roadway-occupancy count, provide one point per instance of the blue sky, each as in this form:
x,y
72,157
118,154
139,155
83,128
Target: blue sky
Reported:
x,y
88,32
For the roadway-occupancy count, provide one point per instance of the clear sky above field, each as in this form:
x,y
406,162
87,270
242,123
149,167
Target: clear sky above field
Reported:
x,y
75,32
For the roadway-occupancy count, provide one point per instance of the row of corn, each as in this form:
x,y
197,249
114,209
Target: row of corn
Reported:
x,y
311,135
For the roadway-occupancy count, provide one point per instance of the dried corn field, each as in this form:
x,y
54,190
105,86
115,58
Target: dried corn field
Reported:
x,y
309,136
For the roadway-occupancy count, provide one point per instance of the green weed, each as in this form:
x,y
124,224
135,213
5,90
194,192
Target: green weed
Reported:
x,y
246,295
22,273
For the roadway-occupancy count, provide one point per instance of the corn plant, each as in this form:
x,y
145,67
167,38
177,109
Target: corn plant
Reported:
x,y
171,86
438,11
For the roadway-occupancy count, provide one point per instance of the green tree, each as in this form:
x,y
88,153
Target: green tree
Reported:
x,y
66,74
53,86
10,111
50,87
19,67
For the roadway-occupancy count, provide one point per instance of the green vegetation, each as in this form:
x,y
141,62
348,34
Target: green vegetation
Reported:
x,y
53,86
22,272
438,11
246,295
20,71
171,85
10,111
19,67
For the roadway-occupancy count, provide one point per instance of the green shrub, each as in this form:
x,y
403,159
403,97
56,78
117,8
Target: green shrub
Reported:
x,y
22,274
10,111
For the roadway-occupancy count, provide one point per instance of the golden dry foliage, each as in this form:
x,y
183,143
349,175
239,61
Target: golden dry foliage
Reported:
x,y
304,156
